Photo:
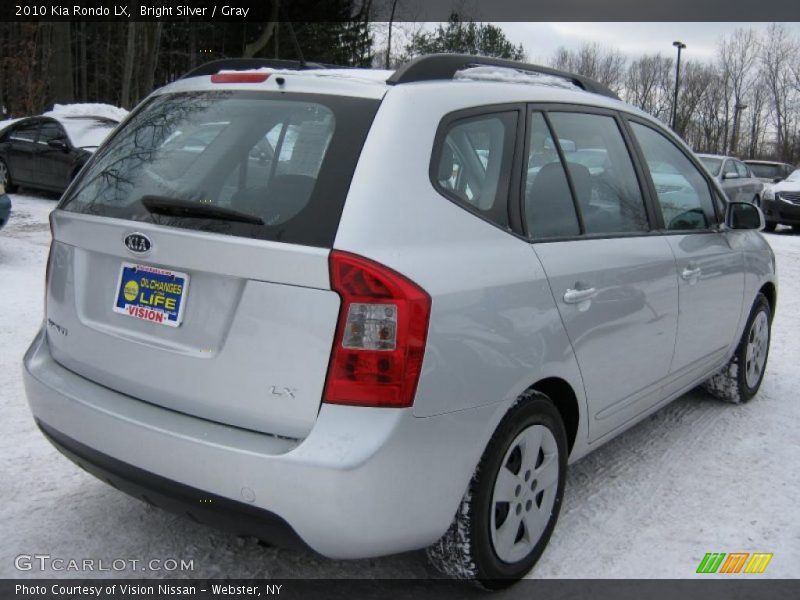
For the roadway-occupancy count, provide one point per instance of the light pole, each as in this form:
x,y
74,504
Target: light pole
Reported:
x,y
680,46
737,109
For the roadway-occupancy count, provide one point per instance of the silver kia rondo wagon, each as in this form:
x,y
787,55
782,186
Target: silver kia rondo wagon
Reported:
x,y
373,311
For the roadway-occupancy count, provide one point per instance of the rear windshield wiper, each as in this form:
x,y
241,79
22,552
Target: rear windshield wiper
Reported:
x,y
175,207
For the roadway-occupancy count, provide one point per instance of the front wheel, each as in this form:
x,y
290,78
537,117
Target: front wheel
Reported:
x,y
741,378
511,506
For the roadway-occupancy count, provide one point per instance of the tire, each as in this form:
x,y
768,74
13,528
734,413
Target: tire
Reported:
x,y
5,178
475,547
740,379
770,226
796,228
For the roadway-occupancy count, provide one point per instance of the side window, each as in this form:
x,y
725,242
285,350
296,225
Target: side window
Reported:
x,y
473,163
51,131
683,193
25,133
549,208
600,167
729,168
742,170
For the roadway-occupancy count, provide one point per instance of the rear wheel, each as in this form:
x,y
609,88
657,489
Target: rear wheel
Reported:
x,y
511,507
5,178
741,378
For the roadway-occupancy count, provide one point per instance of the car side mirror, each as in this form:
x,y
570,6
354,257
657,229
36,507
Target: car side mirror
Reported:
x,y
59,144
777,180
730,176
743,215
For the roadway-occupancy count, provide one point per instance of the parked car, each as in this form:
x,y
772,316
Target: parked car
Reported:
x,y
398,333
735,178
782,203
768,171
5,208
47,152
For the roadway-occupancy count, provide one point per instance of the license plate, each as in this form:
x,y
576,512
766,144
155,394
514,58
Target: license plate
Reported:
x,y
151,294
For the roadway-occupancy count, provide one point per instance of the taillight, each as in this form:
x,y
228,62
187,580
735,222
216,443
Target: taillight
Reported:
x,y
380,338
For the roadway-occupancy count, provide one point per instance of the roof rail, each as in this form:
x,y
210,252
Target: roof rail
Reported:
x,y
431,67
243,64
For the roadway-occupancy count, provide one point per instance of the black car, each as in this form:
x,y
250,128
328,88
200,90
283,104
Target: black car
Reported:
x,y
47,152
5,208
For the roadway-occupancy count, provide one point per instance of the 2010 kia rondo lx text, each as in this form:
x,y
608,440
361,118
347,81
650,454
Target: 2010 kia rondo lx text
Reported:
x,y
378,311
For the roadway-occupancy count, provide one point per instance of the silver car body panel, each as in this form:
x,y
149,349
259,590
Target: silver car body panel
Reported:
x,y
355,481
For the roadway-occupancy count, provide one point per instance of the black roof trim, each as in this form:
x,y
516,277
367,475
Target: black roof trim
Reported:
x,y
432,67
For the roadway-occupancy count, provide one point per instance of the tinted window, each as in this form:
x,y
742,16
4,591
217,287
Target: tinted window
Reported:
x,y
712,164
88,132
683,193
50,131
729,168
548,205
25,133
741,169
212,148
602,174
767,171
473,163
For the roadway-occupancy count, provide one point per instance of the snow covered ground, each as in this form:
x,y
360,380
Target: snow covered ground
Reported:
x,y
699,476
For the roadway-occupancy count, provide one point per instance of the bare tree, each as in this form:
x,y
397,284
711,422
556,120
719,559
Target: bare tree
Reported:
x,y
777,53
647,84
737,57
592,60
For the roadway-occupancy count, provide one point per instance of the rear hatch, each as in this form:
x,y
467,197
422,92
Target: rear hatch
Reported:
x,y
190,259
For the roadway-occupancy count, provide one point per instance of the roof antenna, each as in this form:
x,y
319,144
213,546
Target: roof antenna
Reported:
x,y
294,39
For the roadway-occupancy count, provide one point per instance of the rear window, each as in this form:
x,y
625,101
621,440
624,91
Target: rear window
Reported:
x,y
252,164
766,171
88,132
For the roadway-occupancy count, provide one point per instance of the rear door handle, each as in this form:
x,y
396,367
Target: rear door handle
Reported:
x,y
577,296
690,273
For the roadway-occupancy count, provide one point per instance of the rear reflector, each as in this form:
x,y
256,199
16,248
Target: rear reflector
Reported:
x,y
380,338
239,77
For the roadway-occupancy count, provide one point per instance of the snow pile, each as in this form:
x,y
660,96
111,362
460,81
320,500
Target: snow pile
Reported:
x,y
87,132
87,109
6,123
511,75
87,123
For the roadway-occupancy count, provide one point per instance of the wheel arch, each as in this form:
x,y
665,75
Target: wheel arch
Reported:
x,y
769,291
565,400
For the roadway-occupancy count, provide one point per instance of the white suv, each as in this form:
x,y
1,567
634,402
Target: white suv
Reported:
x,y
379,311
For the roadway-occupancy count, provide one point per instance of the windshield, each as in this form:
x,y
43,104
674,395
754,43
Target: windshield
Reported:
x,y
765,170
712,164
87,132
283,160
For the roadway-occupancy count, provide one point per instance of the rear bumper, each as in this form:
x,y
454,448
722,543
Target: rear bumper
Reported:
x,y
365,482
781,212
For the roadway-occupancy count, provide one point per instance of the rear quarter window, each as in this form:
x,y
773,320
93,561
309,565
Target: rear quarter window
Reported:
x,y
283,160
471,162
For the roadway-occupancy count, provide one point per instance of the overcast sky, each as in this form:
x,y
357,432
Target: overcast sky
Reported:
x,y
540,40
